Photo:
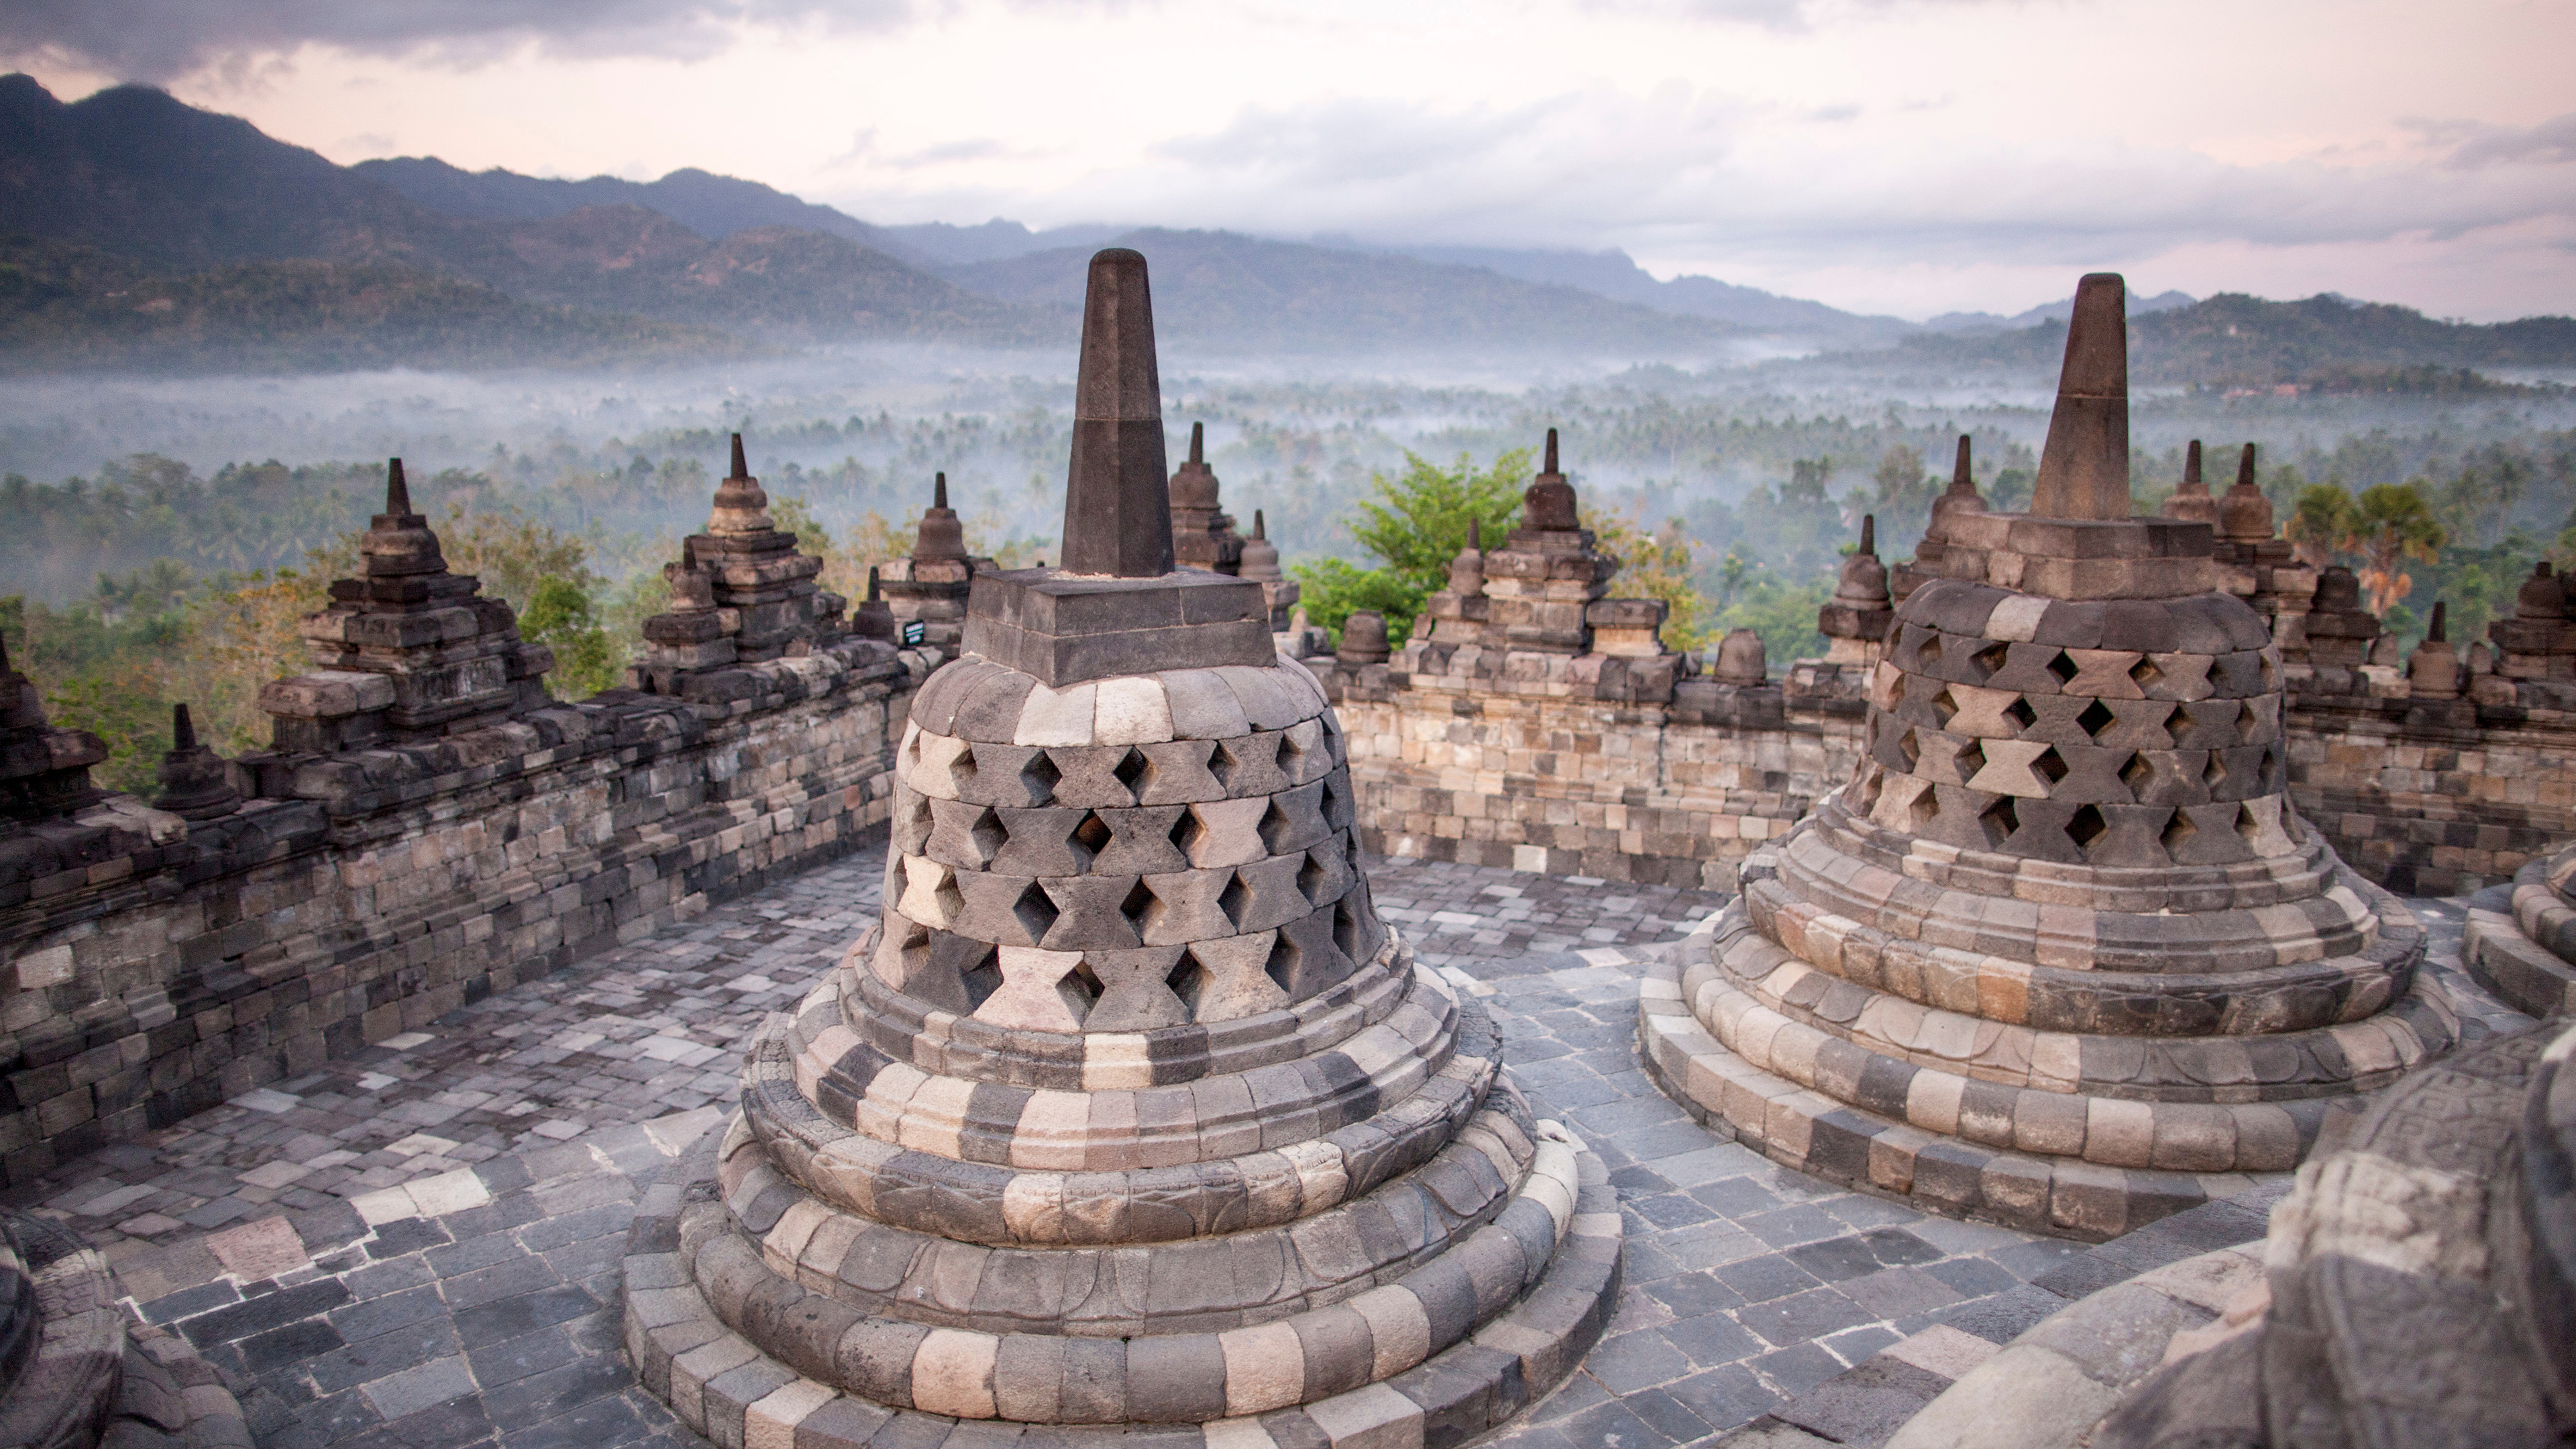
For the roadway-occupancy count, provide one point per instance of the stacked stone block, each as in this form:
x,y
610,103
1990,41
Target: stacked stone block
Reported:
x,y
406,651
2062,941
1130,1112
741,593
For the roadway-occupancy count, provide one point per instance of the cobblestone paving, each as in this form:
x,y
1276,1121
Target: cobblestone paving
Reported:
x,y
417,1246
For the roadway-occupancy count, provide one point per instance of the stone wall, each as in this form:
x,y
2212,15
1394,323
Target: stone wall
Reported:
x,y
1568,770
2432,796
151,967
1558,772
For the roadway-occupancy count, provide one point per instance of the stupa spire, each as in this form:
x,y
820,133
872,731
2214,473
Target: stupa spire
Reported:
x,y
1117,498
740,468
2084,468
397,491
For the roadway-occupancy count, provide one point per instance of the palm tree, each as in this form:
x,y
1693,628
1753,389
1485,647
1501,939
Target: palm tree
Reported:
x,y
2389,524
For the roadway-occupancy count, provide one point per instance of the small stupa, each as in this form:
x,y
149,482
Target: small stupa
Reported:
x,y
930,588
1960,497
407,652
1203,535
44,769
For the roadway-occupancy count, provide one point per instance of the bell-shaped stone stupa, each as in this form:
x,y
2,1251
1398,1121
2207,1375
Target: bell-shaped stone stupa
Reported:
x,y
1131,1112
2061,954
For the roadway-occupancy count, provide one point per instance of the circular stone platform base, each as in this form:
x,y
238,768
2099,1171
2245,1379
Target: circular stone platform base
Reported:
x,y
2523,956
72,1377
725,1387
1804,1129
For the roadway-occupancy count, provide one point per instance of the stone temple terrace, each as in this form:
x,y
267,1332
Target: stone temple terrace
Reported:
x,y
2109,998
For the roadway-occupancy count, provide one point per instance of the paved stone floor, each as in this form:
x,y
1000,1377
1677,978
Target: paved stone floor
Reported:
x,y
417,1246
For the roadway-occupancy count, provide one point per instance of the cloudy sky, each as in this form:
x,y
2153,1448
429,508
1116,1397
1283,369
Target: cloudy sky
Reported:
x,y
1904,156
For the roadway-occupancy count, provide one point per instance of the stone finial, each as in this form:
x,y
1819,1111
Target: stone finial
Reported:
x,y
2433,670
2245,515
2191,501
1863,583
1856,619
1203,535
1195,486
1363,638
398,543
741,507
1961,496
1467,570
1117,497
2084,467
2542,596
195,784
1549,503
1260,555
874,619
44,769
1741,660
21,707
942,534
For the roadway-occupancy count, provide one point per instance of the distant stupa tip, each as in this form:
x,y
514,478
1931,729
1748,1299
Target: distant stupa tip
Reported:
x,y
2191,462
2440,632
872,583
1869,534
739,468
1198,442
1259,529
2245,467
183,731
938,490
1551,452
397,492
1961,474
1476,534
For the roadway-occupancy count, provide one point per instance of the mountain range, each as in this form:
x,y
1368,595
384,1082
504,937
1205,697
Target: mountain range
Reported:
x,y
141,231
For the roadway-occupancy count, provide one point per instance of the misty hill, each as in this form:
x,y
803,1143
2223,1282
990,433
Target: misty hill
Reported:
x,y
950,245
2236,340
715,207
1616,275
132,171
138,175
2057,311
1226,287
65,307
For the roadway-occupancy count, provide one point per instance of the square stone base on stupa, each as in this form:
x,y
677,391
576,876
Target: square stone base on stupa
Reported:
x,y
1130,1116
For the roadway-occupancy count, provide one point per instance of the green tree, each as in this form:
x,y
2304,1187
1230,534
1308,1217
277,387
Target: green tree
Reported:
x,y
559,615
2321,519
1416,525
1656,565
